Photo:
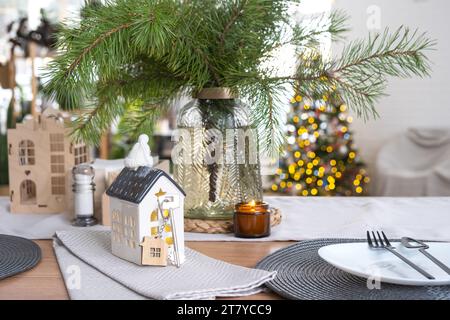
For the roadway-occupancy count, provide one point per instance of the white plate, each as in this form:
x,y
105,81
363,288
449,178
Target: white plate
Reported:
x,y
360,260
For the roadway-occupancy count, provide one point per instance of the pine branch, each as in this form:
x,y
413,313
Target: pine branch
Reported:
x,y
236,13
94,44
127,55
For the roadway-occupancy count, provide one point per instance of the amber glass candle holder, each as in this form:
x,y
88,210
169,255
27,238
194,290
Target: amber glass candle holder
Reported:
x,y
252,220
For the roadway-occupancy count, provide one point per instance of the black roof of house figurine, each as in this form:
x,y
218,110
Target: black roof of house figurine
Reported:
x,y
132,185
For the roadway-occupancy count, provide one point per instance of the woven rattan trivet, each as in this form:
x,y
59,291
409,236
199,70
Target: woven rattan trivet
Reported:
x,y
222,226
17,255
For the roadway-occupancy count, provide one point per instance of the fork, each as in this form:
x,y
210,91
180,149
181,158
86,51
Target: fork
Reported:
x,y
379,244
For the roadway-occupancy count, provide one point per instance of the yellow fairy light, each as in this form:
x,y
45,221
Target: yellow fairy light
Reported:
x,y
297,176
334,170
359,177
296,119
289,184
310,165
308,180
300,163
314,126
320,183
279,171
356,183
366,179
306,107
332,186
297,154
314,191
298,186
344,129
343,107
350,119
309,172
352,155
321,169
315,162
311,155
331,180
333,162
322,108
291,169
293,100
307,143
329,149
311,120
274,187
298,98
316,134
338,174
305,193
283,184
359,190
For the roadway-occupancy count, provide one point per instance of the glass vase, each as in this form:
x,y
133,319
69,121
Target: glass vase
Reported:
x,y
216,158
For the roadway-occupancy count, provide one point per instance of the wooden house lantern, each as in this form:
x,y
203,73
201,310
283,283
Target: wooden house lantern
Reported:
x,y
40,157
146,207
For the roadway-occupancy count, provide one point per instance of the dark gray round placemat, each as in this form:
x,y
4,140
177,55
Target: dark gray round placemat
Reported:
x,y
303,274
17,255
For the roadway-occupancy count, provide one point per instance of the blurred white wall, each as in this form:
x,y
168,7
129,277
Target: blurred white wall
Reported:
x,y
411,102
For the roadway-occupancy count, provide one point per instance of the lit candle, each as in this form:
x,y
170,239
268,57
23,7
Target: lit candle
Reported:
x,y
252,220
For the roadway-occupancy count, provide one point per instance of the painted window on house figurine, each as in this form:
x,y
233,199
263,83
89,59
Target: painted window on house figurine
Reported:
x,y
26,153
80,154
56,142
153,218
123,229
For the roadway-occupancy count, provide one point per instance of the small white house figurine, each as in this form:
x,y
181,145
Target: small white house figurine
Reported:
x,y
146,207
40,157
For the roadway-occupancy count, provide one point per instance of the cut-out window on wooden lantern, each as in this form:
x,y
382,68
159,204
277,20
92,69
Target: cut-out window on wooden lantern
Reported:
x,y
57,163
80,154
26,153
58,185
56,142
28,192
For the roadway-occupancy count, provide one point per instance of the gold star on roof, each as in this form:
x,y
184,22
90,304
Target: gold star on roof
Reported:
x,y
160,193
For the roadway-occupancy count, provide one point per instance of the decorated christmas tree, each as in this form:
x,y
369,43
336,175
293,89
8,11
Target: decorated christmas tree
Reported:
x,y
320,158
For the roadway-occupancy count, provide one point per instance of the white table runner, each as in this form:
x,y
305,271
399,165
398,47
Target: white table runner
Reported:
x,y
303,218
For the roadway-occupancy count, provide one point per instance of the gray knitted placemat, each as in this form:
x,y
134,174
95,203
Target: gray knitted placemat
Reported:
x,y
17,255
303,274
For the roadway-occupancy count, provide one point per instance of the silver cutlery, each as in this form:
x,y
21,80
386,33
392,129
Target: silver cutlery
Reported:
x,y
422,246
375,243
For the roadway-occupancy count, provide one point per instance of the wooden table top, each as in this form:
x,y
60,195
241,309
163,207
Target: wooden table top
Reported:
x,y
45,280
